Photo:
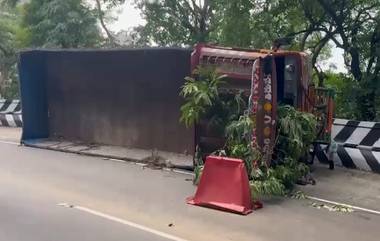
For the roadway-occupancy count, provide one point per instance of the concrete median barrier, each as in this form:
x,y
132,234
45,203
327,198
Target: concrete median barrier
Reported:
x,y
358,145
10,113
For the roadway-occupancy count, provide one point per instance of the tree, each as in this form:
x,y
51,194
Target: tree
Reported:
x,y
60,24
241,23
234,23
8,44
346,88
353,26
272,19
49,23
177,22
103,9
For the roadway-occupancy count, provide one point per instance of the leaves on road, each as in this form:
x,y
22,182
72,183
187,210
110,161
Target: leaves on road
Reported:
x,y
319,205
332,208
298,195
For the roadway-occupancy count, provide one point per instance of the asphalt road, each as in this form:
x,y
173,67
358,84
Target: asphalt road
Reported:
x,y
111,199
28,215
30,212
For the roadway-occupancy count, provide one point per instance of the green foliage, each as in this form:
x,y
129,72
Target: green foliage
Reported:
x,y
176,22
354,27
47,23
8,47
200,94
240,23
268,186
234,23
60,24
204,100
11,90
346,94
353,99
296,132
238,145
8,3
278,179
198,173
238,131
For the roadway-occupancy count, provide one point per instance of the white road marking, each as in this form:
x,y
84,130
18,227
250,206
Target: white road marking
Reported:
x,y
114,160
141,164
10,142
343,204
123,221
179,171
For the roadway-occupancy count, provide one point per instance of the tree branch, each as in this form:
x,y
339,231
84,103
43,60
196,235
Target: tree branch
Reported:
x,y
364,11
103,24
184,19
318,48
337,20
375,42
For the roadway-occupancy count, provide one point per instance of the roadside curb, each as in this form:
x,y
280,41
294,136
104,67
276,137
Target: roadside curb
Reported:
x,y
185,169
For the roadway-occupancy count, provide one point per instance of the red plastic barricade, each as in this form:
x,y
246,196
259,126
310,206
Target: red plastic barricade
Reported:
x,y
224,185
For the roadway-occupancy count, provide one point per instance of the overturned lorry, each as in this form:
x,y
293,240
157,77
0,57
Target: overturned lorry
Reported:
x,y
94,101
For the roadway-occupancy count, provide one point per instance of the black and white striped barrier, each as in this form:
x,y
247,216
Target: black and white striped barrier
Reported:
x,y
358,145
10,106
10,113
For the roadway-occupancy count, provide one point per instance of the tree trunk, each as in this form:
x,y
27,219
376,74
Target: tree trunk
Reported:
x,y
355,64
111,38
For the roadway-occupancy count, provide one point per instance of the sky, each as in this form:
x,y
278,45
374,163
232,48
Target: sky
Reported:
x,y
129,16
337,59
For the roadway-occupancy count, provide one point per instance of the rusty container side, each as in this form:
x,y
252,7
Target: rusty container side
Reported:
x,y
125,97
